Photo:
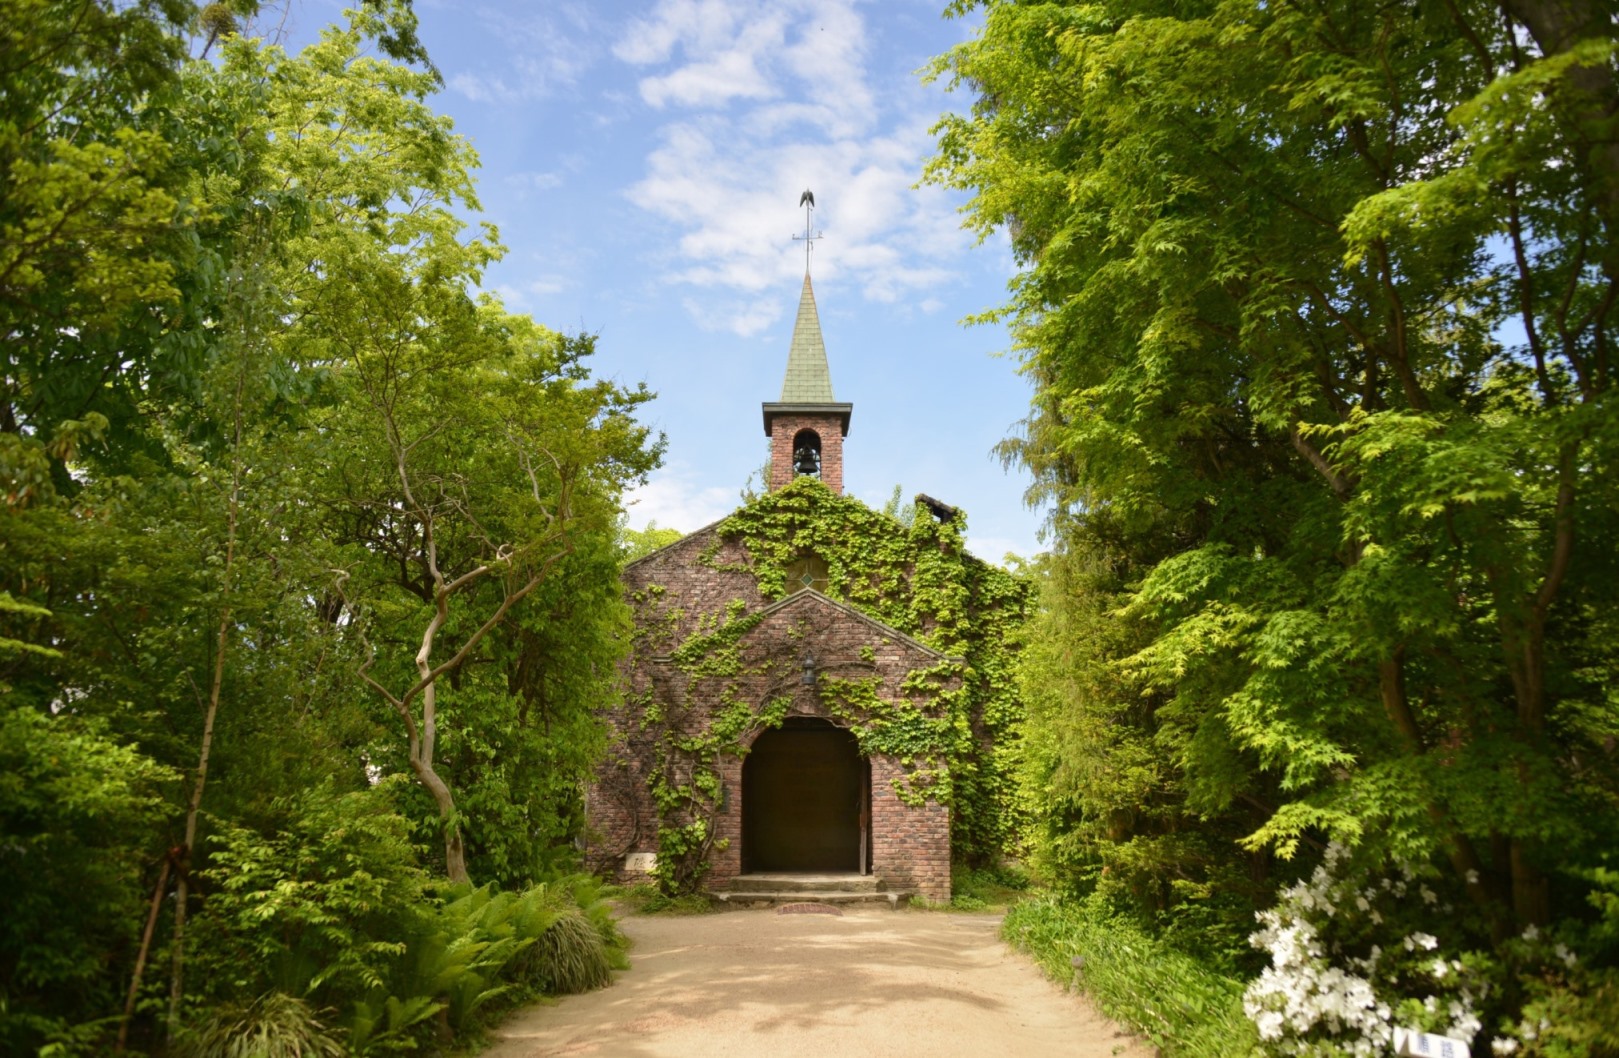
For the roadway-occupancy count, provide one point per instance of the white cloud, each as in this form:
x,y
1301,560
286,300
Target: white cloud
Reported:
x,y
650,40
535,181
743,318
546,50
762,101
520,297
720,67
724,50
673,499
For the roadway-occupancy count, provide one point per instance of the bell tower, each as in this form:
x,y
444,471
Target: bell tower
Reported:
x,y
807,426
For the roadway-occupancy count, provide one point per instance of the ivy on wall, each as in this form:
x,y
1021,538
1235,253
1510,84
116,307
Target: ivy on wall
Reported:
x,y
954,726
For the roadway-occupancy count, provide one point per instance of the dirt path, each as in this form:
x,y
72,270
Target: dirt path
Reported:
x,y
872,982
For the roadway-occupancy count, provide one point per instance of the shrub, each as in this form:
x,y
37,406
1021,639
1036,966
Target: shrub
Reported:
x,y
318,905
482,951
979,888
77,812
1347,965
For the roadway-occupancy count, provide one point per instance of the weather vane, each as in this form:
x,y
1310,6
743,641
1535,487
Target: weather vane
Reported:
x,y
807,200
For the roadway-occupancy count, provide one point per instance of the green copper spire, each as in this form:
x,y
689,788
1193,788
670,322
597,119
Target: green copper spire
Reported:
x,y
808,380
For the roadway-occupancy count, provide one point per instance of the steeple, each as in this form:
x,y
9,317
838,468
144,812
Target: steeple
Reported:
x,y
808,381
807,426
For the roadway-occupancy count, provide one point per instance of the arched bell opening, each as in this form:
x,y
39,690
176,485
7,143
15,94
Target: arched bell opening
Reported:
x,y
807,453
806,800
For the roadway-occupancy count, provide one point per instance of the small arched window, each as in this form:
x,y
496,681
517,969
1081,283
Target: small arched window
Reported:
x,y
807,453
807,571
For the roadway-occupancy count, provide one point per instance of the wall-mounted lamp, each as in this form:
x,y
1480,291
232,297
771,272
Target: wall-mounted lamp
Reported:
x,y
807,662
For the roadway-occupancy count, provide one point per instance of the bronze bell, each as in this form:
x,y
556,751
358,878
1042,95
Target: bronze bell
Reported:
x,y
806,461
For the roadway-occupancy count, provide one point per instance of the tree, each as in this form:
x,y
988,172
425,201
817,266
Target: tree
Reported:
x,y
475,495
189,454
1317,303
639,542
90,223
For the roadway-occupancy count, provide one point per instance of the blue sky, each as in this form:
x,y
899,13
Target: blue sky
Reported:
x,y
643,162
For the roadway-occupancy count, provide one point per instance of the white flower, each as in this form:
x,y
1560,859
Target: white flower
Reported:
x,y
1269,1024
1440,968
1531,933
1472,879
1428,895
1503,1045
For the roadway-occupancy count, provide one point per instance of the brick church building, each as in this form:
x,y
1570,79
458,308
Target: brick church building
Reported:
x,y
814,687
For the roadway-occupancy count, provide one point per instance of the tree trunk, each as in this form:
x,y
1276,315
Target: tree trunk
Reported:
x,y
140,957
455,856
1556,26
221,648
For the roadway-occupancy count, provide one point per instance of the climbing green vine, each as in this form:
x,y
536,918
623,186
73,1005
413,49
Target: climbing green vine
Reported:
x,y
953,727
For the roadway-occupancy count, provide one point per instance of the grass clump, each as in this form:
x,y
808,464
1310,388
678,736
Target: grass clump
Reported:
x,y
978,889
271,1026
644,898
987,888
275,1025
570,956
1186,1009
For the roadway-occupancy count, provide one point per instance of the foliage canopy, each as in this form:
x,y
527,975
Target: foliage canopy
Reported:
x,y
307,548
1317,301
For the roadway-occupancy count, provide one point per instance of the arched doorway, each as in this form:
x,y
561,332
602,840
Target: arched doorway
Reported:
x,y
805,798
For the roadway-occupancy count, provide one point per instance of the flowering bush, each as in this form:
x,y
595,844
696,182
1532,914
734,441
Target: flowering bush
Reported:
x,y
1345,971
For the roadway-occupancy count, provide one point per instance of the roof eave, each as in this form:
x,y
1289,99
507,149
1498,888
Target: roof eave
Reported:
x,y
841,412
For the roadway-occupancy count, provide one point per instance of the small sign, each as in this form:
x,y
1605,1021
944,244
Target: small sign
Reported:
x,y
643,862
1414,1043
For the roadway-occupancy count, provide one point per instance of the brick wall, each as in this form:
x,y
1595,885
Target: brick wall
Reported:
x,y
910,845
671,592
783,428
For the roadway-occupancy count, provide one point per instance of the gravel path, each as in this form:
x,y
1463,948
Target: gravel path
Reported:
x,y
870,982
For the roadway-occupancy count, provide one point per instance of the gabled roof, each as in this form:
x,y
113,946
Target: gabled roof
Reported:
x,y
671,545
809,596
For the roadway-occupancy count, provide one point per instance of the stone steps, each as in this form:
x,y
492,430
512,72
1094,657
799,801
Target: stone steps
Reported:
x,y
743,899
776,889
805,882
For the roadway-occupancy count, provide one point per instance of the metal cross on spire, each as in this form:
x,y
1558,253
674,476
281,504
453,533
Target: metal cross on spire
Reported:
x,y
807,200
